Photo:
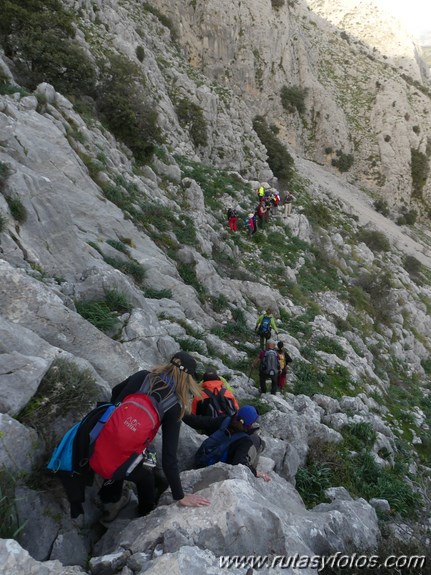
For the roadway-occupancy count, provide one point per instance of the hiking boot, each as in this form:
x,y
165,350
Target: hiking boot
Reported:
x,y
111,510
149,458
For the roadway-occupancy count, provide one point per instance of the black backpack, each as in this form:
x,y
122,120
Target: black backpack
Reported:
x,y
216,404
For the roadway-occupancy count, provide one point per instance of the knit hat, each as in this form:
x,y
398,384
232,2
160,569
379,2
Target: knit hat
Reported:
x,y
210,375
185,362
248,414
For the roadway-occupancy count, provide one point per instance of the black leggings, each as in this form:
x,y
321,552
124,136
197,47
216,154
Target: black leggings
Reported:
x,y
144,480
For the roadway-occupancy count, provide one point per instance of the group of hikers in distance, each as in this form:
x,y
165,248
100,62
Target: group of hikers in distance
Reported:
x,y
113,443
268,201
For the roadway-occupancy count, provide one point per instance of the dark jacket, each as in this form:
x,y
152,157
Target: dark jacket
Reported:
x,y
171,424
239,450
75,484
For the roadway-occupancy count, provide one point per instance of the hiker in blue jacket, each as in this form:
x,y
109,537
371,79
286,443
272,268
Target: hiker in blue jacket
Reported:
x,y
245,450
264,325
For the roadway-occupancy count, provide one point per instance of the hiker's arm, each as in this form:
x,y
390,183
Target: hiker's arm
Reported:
x,y
274,325
170,433
240,454
204,422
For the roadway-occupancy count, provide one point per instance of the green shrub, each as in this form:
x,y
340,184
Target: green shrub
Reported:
x,y
377,286
191,345
332,465
381,206
165,20
318,213
219,303
293,98
184,230
152,293
4,174
130,267
121,104
279,159
140,53
359,436
38,35
277,3
17,209
117,301
375,240
408,218
65,389
3,222
118,245
9,522
190,116
329,345
188,274
419,171
311,482
413,266
343,161
98,314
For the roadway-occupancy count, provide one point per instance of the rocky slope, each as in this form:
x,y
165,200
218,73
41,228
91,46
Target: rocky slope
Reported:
x,y
82,222
377,116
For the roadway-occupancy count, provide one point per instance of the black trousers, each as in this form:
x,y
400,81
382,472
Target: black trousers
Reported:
x,y
145,482
274,382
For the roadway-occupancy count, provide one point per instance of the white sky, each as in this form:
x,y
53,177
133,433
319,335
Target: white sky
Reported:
x,y
415,14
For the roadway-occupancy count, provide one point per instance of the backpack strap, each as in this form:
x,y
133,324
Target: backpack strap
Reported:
x,y
164,404
94,433
215,399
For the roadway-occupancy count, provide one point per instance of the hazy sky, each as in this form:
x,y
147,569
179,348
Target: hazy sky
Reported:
x,y
415,14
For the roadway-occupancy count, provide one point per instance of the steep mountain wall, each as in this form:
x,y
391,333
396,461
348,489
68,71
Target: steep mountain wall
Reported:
x,y
367,93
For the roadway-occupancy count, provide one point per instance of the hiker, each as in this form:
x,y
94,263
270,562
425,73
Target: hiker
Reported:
x,y
250,222
275,200
265,323
260,192
232,216
231,440
283,358
287,204
269,367
168,386
260,213
218,398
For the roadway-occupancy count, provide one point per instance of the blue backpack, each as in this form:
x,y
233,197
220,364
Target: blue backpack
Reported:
x,y
63,456
216,447
265,326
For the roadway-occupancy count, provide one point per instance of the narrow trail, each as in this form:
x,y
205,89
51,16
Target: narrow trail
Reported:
x,y
358,203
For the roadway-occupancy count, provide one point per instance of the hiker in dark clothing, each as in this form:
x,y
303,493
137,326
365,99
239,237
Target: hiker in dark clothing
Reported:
x,y
244,451
176,377
269,367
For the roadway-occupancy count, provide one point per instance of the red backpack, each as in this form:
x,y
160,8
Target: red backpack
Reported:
x,y
128,431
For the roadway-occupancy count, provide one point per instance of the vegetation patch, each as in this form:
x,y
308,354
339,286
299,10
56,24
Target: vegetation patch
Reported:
x,y
17,209
419,171
279,159
121,104
375,240
191,116
103,314
39,36
293,98
9,522
65,389
332,465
